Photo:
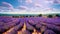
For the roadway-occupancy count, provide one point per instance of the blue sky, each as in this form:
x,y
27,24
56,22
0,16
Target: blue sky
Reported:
x,y
13,2
30,4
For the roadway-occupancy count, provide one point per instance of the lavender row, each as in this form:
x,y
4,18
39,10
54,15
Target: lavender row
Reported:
x,y
50,25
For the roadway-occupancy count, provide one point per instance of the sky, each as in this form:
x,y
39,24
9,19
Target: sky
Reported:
x,y
29,5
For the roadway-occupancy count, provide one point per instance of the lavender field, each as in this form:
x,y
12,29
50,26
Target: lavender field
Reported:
x,y
29,25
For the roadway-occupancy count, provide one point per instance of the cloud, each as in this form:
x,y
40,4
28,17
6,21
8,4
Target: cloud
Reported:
x,y
8,5
30,5
38,5
57,1
35,5
2,8
28,1
22,7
